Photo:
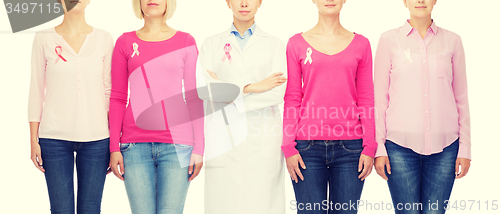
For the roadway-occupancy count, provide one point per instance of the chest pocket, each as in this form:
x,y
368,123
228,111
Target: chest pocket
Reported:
x,y
444,68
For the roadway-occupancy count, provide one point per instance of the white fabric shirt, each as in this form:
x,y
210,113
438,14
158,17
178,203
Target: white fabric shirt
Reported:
x,y
69,91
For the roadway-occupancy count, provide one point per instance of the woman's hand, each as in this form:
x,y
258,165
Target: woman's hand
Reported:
x,y
36,155
116,159
267,84
292,164
380,164
365,165
197,161
212,74
462,166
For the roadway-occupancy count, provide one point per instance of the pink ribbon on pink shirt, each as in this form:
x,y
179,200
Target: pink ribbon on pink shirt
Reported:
x,y
227,51
59,52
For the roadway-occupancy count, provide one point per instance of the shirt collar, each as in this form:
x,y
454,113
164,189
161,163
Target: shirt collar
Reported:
x,y
250,30
407,28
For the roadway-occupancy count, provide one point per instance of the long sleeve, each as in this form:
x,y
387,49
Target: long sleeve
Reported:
x,y
255,101
194,103
382,81
37,83
206,64
293,100
364,88
106,75
461,97
119,94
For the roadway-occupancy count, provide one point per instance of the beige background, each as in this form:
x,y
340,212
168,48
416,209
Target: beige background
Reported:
x,y
22,186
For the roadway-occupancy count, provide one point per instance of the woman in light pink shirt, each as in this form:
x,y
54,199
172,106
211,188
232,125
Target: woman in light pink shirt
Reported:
x,y
423,122
68,108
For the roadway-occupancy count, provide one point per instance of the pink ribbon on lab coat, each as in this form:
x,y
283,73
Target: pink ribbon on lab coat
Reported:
x,y
227,55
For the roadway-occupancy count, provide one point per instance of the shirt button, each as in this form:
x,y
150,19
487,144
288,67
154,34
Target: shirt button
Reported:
x,y
425,95
425,78
423,61
427,128
426,112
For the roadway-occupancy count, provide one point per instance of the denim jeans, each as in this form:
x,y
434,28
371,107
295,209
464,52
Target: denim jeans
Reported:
x,y
156,176
420,184
92,160
331,183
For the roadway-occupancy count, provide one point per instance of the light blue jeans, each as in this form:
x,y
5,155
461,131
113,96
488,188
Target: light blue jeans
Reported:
x,y
156,176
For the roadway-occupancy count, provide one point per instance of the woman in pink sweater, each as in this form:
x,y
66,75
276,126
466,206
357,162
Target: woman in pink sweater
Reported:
x,y
159,133
328,128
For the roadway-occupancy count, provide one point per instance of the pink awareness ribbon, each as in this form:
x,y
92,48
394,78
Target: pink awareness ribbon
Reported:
x,y
227,51
59,52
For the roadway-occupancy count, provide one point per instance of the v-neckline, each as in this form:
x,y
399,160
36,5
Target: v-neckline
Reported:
x,y
69,46
329,55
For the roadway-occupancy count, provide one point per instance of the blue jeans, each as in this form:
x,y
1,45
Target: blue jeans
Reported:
x,y
156,176
331,166
92,161
420,184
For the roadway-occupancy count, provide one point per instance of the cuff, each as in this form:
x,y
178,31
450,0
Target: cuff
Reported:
x,y
289,149
239,102
464,151
198,151
381,151
114,146
369,148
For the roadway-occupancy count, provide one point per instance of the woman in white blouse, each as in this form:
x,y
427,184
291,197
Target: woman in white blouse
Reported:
x,y
244,168
67,110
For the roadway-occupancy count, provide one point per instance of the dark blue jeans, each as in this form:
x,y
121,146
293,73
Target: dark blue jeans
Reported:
x,y
331,183
420,184
92,160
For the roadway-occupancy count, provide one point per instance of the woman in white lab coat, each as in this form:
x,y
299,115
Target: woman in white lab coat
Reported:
x,y
244,163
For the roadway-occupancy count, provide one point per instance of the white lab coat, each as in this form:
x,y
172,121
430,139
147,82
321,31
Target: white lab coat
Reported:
x,y
244,163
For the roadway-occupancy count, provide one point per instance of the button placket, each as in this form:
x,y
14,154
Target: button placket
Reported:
x,y
78,76
426,97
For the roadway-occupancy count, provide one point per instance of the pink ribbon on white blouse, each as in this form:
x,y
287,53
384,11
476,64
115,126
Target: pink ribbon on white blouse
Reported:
x,y
227,53
59,52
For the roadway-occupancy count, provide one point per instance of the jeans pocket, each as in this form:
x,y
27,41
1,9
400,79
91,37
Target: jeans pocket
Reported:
x,y
302,145
183,146
183,153
354,146
126,146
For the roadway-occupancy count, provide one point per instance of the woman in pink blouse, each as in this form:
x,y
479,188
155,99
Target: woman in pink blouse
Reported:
x,y
68,108
156,135
423,122
328,123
